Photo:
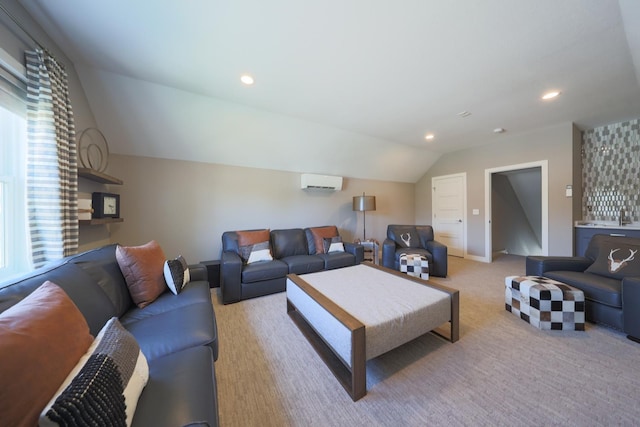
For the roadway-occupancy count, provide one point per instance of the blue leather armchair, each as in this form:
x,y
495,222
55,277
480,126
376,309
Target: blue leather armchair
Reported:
x,y
414,239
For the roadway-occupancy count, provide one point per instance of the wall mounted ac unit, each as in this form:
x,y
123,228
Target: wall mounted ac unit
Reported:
x,y
320,182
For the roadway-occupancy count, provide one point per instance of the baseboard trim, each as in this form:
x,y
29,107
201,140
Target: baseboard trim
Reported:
x,y
476,258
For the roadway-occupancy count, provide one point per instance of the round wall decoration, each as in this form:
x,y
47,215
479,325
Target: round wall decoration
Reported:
x,y
93,150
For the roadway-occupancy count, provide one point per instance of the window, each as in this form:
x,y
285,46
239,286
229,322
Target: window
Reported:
x,y
14,257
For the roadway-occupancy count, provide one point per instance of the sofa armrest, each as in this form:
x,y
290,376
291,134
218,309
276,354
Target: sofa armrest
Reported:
x,y
356,250
389,253
230,277
198,272
630,305
538,265
440,260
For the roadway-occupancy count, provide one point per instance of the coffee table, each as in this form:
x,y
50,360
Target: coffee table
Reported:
x,y
354,314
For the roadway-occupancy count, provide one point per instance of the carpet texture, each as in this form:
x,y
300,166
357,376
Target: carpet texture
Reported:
x,y
502,372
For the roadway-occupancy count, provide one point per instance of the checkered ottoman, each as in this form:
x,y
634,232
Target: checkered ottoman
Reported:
x,y
545,303
414,265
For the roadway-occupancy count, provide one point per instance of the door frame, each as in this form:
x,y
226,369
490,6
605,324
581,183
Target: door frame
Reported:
x,y
544,203
462,175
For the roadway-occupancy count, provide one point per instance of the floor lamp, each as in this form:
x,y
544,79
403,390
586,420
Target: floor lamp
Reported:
x,y
363,204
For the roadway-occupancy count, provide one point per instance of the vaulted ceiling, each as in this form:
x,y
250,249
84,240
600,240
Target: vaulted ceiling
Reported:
x,y
344,87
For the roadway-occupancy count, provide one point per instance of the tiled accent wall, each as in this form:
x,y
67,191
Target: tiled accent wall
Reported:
x,y
611,171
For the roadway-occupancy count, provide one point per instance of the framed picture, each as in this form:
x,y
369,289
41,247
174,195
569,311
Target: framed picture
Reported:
x,y
105,205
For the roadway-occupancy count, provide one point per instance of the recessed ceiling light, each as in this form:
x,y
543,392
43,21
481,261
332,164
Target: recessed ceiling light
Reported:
x,y
464,114
550,95
499,130
246,79
429,136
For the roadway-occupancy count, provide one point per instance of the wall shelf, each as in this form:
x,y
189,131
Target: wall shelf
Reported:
x,y
100,177
100,221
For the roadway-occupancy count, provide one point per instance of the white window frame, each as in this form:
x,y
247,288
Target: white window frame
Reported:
x,y
15,258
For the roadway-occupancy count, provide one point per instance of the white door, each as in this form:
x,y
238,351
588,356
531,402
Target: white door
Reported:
x,y
448,210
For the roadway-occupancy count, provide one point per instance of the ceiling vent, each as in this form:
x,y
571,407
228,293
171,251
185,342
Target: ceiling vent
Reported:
x,y
320,182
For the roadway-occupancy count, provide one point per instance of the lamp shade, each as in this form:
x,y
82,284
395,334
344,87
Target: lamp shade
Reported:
x,y
364,203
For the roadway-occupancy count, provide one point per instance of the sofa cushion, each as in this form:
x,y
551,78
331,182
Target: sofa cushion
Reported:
x,y
104,385
321,233
302,264
193,292
105,273
174,330
616,260
142,267
600,289
101,265
337,260
407,237
41,339
140,321
181,390
176,274
289,242
90,298
260,271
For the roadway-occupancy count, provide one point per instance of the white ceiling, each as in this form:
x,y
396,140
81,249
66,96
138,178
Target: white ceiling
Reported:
x,y
344,87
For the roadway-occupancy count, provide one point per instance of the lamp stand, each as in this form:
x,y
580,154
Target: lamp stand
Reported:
x,y
363,204
364,226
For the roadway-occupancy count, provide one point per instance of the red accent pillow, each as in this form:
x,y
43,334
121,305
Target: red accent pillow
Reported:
x,y
143,270
41,339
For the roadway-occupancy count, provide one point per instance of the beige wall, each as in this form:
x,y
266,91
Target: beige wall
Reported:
x,y
186,206
554,144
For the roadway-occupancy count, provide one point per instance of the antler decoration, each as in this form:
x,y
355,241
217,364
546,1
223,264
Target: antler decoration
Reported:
x,y
614,265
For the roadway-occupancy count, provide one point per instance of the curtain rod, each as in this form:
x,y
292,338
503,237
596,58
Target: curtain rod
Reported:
x,y
24,30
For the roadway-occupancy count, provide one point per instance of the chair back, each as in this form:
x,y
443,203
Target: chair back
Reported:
x,y
288,242
405,233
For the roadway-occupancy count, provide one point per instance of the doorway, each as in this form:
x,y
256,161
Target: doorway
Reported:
x,y
448,207
516,204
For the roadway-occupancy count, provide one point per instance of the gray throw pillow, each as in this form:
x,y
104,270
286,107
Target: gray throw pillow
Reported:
x,y
407,237
332,244
616,261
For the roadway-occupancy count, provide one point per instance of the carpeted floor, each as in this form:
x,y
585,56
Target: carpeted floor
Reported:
x,y
501,372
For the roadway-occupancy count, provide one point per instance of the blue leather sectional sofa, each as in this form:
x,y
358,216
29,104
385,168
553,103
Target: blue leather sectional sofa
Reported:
x,y
176,333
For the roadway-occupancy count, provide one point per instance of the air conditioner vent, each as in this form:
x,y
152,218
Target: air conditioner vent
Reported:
x,y
320,182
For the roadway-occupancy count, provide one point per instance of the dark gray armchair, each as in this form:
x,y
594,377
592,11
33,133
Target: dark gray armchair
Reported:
x,y
414,239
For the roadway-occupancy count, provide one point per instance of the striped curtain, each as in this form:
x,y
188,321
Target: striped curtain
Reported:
x,y
52,169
